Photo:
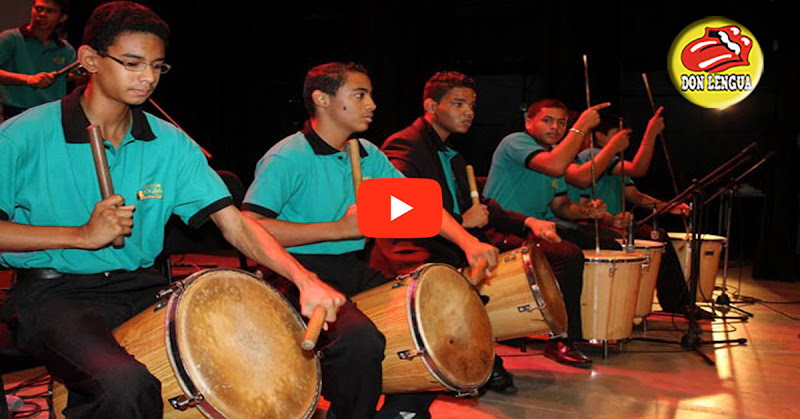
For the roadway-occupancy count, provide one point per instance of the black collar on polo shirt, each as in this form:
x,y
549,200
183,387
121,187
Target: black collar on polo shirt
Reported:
x,y
431,136
74,120
53,36
322,148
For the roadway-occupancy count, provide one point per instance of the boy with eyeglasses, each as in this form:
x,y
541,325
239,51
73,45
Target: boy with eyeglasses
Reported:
x,y
72,287
30,57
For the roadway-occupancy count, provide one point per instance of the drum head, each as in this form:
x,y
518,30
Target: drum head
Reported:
x,y
617,256
643,244
239,343
454,327
549,293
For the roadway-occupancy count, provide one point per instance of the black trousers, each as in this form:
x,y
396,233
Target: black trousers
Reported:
x,y
352,348
66,324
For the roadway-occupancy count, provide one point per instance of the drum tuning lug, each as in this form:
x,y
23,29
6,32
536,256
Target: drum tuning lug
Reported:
x,y
183,403
409,354
400,282
525,250
525,308
510,257
466,393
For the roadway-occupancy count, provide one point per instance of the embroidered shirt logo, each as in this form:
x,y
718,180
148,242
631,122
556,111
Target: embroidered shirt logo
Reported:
x,y
150,191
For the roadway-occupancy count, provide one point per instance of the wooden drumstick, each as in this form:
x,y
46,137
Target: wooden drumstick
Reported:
x,y
101,166
68,68
476,274
313,329
622,169
355,163
473,186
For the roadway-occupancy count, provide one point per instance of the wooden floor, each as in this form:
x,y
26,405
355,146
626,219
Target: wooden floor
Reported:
x,y
653,380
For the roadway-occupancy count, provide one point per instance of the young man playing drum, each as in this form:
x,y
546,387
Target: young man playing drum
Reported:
x,y
73,288
673,295
527,171
303,194
422,150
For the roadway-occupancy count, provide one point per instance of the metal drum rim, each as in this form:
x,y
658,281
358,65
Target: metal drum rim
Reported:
x,y
537,293
173,351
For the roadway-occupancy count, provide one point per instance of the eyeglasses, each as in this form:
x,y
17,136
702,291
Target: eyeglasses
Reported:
x,y
139,66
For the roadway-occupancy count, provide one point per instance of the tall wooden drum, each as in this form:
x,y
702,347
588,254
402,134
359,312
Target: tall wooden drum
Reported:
x,y
524,296
710,251
610,288
224,344
653,251
438,335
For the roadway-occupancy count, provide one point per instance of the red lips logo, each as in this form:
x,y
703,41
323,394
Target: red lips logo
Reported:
x,y
719,50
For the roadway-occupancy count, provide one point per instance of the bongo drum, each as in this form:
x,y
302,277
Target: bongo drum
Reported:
x,y
610,287
710,251
653,251
437,331
524,296
224,344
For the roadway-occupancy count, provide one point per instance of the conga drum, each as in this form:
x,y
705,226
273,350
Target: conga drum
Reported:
x,y
610,288
653,251
524,296
710,251
438,335
224,345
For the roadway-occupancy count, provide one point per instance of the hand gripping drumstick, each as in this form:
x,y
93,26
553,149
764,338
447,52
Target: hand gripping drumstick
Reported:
x,y
101,165
478,273
355,163
313,329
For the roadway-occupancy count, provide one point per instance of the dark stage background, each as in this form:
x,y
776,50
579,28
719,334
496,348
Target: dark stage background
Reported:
x,y
238,70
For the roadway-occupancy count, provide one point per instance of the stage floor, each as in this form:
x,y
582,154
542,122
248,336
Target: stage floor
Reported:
x,y
646,379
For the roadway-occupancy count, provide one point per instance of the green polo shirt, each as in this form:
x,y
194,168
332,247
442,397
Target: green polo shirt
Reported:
x,y
49,179
445,156
515,186
21,52
607,186
303,179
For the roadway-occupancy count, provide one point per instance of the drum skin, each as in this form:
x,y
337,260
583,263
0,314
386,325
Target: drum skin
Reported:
x,y
653,251
610,287
524,296
234,339
437,310
711,249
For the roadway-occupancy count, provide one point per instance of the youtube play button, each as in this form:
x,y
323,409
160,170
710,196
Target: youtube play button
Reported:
x,y
399,208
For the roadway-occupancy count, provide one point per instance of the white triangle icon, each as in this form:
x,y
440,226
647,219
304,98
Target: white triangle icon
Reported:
x,y
398,207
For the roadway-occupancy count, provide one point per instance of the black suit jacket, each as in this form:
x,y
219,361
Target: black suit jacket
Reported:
x,y
414,152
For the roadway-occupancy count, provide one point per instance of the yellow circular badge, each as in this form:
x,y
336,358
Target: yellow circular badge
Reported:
x,y
715,62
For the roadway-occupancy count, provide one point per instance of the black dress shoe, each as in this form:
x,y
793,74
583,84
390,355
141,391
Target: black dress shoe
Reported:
x,y
501,380
565,353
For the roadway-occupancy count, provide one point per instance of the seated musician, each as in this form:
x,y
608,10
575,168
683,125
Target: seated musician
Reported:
x,y
673,295
527,171
73,288
423,150
303,194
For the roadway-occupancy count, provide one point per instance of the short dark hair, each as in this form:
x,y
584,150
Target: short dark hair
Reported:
x,y
535,107
110,20
441,83
327,78
608,122
63,6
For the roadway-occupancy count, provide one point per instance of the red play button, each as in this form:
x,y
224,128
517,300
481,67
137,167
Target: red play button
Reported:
x,y
399,208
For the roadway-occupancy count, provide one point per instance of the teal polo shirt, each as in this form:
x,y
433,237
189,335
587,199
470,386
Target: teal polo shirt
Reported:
x,y
21,52
515,186
49,179
607,186
445,156
303,179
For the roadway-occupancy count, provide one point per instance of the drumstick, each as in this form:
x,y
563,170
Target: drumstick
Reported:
x,y
476,274
473,186
591,154
355,163
664,146
313,329
155,105
622,169
101,166
68,68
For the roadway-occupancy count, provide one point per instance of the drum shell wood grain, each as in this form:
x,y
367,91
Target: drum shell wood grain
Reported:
x,y
522,300
653,251
710,252
438,310
608,300
236,340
